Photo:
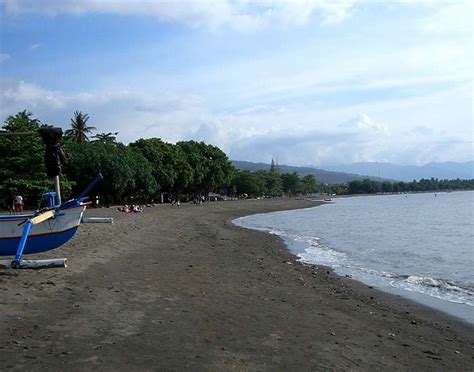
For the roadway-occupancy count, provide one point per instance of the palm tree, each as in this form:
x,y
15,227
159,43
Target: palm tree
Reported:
x,y
79,129
110,137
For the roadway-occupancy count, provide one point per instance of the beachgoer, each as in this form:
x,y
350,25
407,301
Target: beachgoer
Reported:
x,y
137,209
18,203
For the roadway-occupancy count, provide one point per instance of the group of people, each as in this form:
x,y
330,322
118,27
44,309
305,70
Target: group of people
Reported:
x,y
134,208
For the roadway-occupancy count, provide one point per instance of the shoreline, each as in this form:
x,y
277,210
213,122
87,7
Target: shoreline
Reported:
x,y
182,287
458,310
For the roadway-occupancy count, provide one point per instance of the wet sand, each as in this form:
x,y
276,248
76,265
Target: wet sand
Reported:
x,y
180,288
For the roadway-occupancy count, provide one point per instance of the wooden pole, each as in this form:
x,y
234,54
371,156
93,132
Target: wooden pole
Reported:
x,y
57,188
35,264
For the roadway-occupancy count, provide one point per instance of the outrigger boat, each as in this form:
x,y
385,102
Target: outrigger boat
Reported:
x,y
47,228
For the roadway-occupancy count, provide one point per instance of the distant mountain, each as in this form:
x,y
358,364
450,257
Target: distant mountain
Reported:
x,y
322,176
444,170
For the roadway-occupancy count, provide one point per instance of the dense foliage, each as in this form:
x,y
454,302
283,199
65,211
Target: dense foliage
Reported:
x,y
142,170
22,169
149,168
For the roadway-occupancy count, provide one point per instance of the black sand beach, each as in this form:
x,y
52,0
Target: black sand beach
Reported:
x,y
180,288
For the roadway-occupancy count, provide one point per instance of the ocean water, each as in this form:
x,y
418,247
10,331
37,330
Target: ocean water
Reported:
x,y
420,246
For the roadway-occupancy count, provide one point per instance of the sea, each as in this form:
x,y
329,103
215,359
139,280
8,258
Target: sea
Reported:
x,y
419,246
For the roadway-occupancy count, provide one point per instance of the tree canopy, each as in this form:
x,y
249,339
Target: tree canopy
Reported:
x,y
147,168
79,130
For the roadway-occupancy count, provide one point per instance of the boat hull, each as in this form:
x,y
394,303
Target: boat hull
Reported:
x,y
44,236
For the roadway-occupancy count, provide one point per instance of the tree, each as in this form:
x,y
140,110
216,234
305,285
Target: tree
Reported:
x,y
110,137
79,129
291,183
164,160
308,184
210,166
387,186
184,172
22,168
126,173
246,182
273,183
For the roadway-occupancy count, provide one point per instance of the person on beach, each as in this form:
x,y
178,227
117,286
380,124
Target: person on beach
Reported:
x,y
137,209
18,201
124,209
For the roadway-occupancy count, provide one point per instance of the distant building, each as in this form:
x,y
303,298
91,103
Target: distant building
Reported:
x,y
274,167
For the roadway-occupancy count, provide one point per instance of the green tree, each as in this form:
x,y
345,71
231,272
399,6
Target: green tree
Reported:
x,y
126,173
163,159
22,168
210,166
184,172
291,183
110,137
246,182
79,130
387,186
273,183
308,184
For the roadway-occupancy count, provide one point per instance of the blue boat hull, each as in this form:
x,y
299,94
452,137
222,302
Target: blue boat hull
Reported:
x,y
43,236
36,243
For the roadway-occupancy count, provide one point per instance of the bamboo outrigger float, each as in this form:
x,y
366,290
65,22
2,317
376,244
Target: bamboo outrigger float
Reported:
x,y
48,228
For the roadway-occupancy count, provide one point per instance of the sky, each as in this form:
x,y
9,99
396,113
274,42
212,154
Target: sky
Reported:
x,y
304,82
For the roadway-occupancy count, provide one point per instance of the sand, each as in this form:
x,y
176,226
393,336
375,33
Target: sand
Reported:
x,y
180,288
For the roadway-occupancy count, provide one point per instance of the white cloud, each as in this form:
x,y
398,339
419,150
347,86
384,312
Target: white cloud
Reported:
x,y
35,46
365,123
4,57
237,14
132,113
16,95
405,131
403,95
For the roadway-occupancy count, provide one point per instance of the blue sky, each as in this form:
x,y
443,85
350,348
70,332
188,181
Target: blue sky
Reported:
x,y
308,82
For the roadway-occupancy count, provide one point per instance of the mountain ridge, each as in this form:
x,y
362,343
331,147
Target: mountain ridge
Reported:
x,y
321,175
380,171
408,173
